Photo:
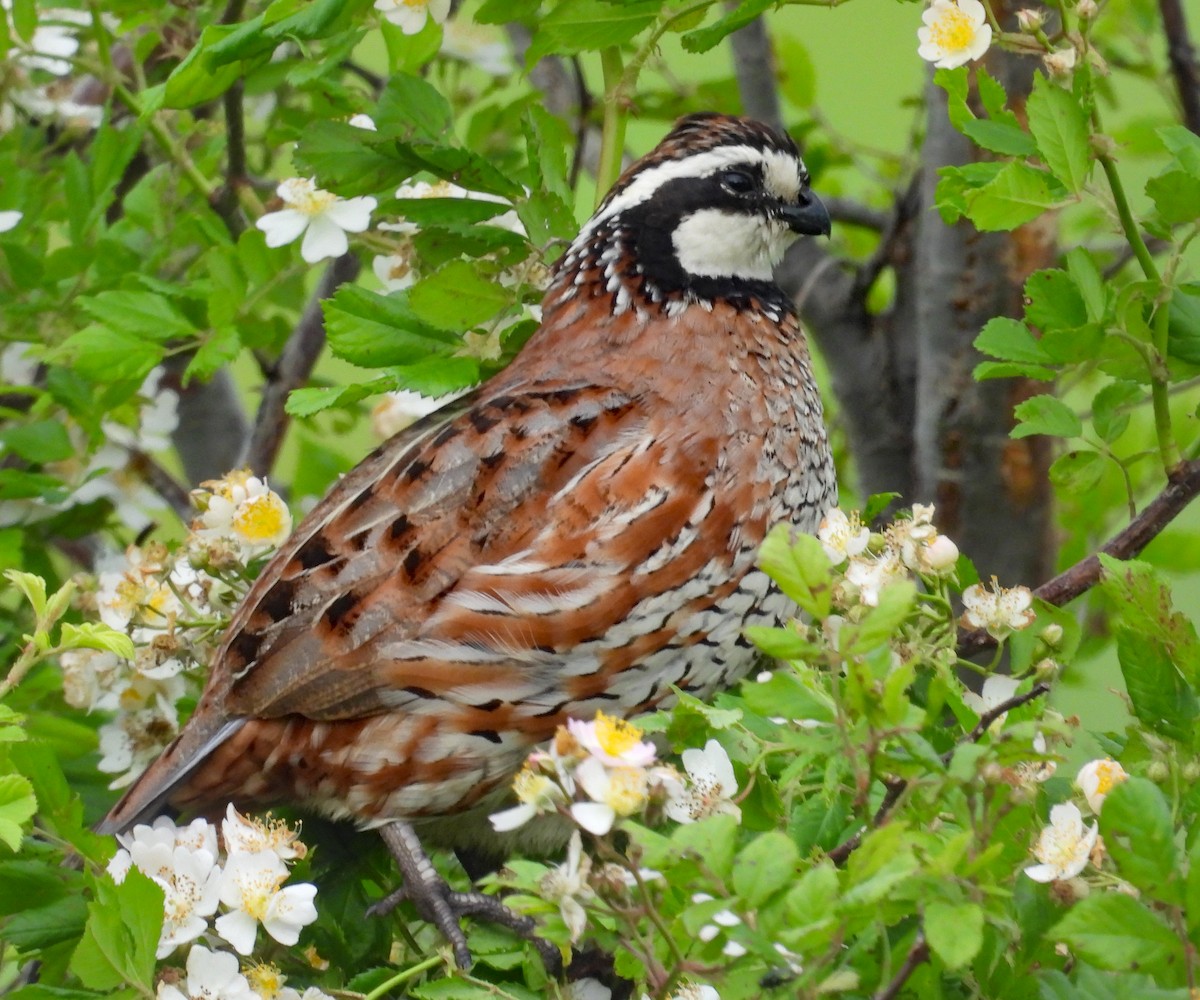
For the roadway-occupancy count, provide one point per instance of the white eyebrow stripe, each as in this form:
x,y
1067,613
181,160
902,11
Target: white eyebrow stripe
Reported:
x,y
781,171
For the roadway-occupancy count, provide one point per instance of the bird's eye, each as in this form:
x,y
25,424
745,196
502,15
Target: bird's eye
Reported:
x,y
738,181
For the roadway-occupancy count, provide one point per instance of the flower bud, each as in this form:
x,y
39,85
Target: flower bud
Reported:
x,y
1060,62
1158,772
1086,9
1045,670
1191,772
1030,20
1052,635
940,555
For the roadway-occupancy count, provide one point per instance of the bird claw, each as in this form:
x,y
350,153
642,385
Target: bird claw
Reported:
x,y
441,906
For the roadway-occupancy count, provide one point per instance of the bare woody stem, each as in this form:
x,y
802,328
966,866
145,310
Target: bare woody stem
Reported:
x,y
917,954
1182,56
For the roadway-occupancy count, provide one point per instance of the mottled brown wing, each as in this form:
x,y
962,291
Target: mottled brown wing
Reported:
x,y
519,530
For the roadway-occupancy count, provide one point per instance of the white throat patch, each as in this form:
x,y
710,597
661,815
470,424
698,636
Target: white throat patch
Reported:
x,y
717,243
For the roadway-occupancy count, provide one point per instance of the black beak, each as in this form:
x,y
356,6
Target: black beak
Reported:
x,y
808,216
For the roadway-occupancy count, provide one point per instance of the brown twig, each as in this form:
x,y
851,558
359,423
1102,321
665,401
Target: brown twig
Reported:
x,y
163,483
917,954
896,787
1143,529
1182,57
224,200
293,368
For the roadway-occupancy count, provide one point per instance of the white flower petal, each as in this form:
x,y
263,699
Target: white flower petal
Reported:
x,y
283,227
595,817
324,238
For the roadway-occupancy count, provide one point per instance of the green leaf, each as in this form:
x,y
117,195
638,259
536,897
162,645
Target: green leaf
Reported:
x,y
1110,408
882,622
1053,301
712,840
197,80
1183,329
1114,931
17,806
954,931
1011,340
1060,126
1089,282
376,330
259,35
586,25
121,937
1176,196
781,643
1011,369
44,926
105,355
764,867
1139,835
1016,195
703,39
1046,414
1183,144
456,297
787,695
96,635
1161,696
343,158
1077,471
800,567
143,313
411,108
1000,137
219,348
1142,602
32,586
40,441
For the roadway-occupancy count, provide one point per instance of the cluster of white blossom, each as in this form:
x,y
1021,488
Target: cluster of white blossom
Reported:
x,y
956,32
600,771
235,881
173,607
869,562
1065,847
39,70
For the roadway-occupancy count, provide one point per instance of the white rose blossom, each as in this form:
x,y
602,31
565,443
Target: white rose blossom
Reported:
x,y
614,791
1064,847
536,793
613,741
323,218
211,975
245,510
710,787
996,690
410,15
841,536
252,888
954,33
1097,778
567,885
998,611
249,835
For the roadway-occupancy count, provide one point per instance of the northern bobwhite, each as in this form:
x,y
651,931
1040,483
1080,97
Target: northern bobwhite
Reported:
x,y
578,534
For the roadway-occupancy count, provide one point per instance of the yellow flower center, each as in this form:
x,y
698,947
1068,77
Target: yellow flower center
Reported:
x,y
262,519
266,980
627,790
953,31
533,789
304,196
1108,776
616,736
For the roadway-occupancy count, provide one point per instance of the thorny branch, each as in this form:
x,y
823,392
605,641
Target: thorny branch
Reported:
x,y
1182,488
293,368
917,954
897,787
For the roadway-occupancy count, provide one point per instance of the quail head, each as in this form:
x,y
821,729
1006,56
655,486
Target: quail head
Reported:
x,y
579,534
